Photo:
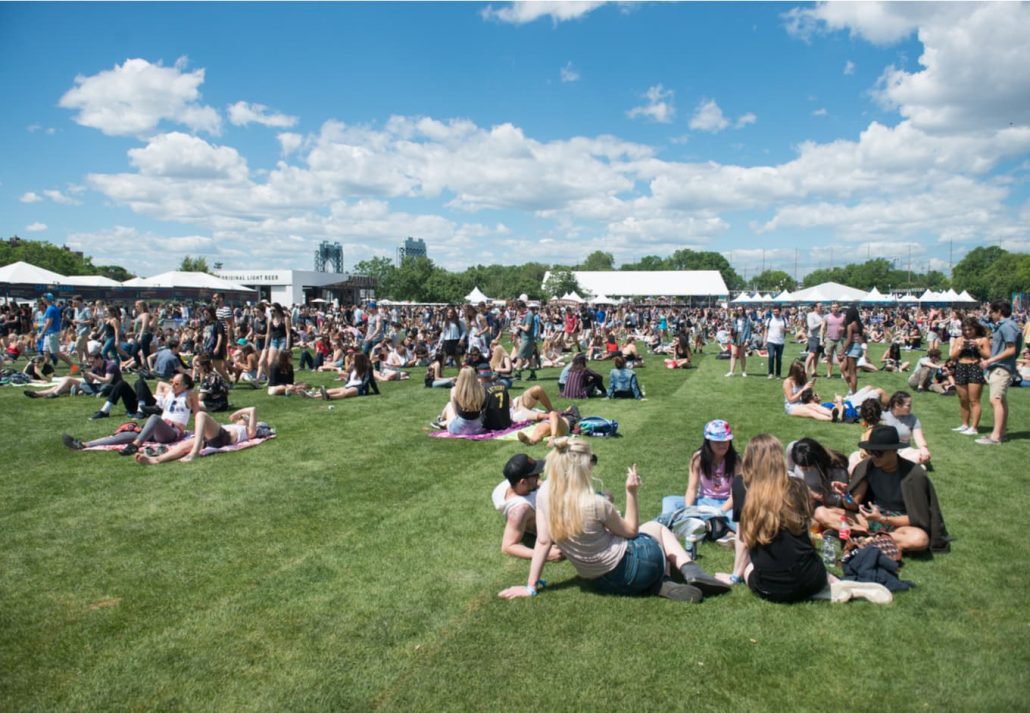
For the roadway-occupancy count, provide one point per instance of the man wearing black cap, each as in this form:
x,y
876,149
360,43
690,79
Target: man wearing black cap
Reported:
x,y
895,495
515,498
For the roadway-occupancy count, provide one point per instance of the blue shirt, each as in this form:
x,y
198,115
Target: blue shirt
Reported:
x,y
1006,332
54,315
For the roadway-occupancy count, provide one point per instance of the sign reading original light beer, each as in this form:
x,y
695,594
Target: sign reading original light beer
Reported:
x,y
251,278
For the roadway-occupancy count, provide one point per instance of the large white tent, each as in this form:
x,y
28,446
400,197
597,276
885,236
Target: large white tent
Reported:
x,y
657,283
22,273
176,278
89,281
828,292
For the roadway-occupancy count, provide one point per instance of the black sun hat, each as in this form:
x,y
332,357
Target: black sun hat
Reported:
x,y
882,438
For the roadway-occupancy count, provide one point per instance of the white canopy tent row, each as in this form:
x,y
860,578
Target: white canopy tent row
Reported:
x,y
21,279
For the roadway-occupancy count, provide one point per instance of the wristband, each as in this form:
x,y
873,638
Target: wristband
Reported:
x,y
531,590
736,579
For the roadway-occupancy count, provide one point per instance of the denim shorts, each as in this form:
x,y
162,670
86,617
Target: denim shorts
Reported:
x,y
640,571
277,343
464,427
854,351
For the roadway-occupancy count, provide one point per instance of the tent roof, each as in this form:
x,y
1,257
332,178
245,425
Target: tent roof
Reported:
x,y
876,297
89,281
680,283
966,297
476,296
24,273
828,292
176,278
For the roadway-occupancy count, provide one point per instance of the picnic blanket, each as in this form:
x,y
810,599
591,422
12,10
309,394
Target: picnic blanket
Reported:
x,y
506,434
205,452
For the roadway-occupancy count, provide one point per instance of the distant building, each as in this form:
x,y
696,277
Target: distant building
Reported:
x,y
411,248
290,287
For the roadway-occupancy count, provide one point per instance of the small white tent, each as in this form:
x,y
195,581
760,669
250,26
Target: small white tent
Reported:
x,y
475,297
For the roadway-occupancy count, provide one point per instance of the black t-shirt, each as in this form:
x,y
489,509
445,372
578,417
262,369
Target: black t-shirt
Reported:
x,y
278,377
788,569
497,408
885,488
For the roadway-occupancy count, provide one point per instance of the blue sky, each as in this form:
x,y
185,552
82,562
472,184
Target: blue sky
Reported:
x,y
773,133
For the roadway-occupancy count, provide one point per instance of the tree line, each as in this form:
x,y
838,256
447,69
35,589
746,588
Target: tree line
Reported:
x,y
986,272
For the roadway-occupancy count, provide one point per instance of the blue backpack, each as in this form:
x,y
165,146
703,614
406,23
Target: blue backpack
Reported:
x,y
598,426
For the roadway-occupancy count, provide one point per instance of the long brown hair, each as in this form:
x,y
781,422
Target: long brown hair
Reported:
x,y
774,500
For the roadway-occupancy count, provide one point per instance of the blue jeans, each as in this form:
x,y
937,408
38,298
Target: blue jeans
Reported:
x,y
640,571
775,355
672,503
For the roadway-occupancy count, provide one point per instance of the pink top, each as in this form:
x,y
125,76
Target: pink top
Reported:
x,y
718,486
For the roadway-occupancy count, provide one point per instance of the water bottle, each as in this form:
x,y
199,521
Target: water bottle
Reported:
x,y
829,550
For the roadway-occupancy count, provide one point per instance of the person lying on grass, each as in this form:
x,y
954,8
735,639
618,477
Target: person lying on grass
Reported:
x,y
774,552
615,554
177,401
242,427
515,499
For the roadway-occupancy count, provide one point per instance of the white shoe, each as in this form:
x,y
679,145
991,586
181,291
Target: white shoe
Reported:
x,y
961,429
770,376
743,373
847,589
970,431
729,373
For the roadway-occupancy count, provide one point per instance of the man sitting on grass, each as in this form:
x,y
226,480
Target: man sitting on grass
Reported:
x,y
515,498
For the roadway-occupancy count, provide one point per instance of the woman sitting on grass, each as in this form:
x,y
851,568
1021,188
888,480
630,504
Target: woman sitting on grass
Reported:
x,y
434,372
622,382
500,364
242,427
799,398
910,429
774,552
819,467
360,381
280,376
615,554
463,414
712,469
680,352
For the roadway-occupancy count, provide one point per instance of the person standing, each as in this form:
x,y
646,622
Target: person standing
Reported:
x,y
774,337
1006,343
832,331
967,350
814,321
50,333
740,340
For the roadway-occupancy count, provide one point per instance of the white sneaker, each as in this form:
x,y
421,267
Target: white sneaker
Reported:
x,y
970,431
770,376
743,373
729,373
847,589
961,429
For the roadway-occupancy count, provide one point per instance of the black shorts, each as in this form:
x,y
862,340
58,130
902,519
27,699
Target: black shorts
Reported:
x,y
221,439
969,374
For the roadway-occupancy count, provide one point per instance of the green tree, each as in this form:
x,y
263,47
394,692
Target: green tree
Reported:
x,y
976,272
45,255
773,281
598,261
648,263
382,269
114,272
194,264
687,259
561,281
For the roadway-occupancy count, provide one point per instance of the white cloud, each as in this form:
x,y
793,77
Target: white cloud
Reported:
x,y
520,13
659,106
569,73
820,112
849,67
289,142
59,198
708,117
180,155
30,197
745,119
242,113
35,128
134,97
35,228
877,22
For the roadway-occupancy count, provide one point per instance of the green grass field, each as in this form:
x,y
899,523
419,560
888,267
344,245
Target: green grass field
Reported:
x,y
353,564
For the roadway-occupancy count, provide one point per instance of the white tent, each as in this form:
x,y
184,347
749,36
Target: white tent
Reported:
x,y
89,281
829,292
767,297
967,298
603,300
784,296
572,297
909,299
22,273
875,297
176,278
475,297
742,299
951,296
929,296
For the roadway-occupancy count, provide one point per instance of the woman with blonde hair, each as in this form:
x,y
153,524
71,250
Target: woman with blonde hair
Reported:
x,y
500,363
463,415
774,552
614,553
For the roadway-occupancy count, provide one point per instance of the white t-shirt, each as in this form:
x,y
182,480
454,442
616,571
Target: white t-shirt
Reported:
x,y
815,323
505,506
776,329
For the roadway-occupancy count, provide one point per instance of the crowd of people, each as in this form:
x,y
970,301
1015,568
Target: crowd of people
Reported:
x,y
765,502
